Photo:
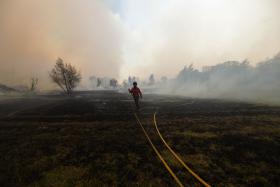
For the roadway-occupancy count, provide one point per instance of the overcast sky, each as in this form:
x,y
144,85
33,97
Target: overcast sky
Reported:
x,y
124,37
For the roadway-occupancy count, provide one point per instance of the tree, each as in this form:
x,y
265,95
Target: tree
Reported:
x,y
113,83
93,81
65,76
33,84
188,74
130,81
99,82
151,79
125,84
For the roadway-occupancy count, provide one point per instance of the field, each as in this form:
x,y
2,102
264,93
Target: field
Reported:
x,y
93,139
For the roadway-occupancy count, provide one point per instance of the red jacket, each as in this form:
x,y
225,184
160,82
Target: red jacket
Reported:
x,y
135,91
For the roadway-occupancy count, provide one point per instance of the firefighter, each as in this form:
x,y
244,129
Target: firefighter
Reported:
x,y
136,93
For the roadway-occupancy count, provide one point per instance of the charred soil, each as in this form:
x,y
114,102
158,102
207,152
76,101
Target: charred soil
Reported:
x,y
92,139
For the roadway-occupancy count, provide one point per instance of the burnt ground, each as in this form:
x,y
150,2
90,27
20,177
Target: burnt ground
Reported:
x,y
92,139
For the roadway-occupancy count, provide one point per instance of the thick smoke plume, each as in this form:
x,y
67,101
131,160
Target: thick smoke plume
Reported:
x,y
33,34
230,80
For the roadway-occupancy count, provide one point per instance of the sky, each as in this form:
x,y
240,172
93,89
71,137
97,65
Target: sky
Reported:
x,y
118,38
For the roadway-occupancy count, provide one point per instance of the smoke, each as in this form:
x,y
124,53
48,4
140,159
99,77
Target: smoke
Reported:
x,y
123,37
166,35
230,80
33,34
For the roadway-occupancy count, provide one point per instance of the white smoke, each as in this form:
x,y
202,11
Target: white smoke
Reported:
x,y
230,80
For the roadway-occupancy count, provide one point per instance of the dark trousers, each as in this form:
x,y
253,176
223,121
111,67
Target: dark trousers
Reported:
x,y
136,100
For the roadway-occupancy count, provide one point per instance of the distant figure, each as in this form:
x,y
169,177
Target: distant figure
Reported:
x,y
136,93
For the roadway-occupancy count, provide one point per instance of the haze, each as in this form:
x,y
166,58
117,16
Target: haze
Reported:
x,y
121,38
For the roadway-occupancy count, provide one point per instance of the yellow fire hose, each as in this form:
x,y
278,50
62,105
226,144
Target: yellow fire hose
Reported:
x,y
159,155
178,158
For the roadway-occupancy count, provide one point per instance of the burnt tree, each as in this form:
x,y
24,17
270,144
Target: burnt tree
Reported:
x,y
65,75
